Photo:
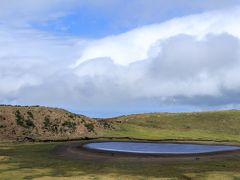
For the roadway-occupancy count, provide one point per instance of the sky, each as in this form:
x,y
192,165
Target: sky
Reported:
x,y
105,58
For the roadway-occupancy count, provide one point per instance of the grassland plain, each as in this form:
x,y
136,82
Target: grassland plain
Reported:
x,y
37,160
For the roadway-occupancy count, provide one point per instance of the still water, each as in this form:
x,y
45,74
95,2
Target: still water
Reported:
x,y
158,148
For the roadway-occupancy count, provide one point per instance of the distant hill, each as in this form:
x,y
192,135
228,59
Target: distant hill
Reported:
x,y
35,123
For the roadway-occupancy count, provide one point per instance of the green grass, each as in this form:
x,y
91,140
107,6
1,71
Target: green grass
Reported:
x,y
214,126
140,132
36,160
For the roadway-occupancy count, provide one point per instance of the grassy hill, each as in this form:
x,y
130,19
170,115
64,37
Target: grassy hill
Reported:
x,y
43,123
214,125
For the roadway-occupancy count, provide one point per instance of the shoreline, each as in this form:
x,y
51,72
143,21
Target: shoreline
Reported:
x,y
131,139
76,151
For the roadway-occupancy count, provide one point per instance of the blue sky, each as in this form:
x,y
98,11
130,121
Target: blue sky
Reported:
x,y
105,58
114,17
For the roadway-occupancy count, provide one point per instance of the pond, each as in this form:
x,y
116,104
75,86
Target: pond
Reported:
x,y
158,148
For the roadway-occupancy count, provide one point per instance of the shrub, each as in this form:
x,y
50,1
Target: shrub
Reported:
x,y
71,116
46,122
106,125
30,114
19,118
49,125
2,126
90,127
29,123
69,124
21,121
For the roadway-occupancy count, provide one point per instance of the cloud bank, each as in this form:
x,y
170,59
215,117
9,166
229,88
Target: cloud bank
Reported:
x,y
192,61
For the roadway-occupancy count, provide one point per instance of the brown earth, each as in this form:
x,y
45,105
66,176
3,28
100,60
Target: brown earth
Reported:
x,y
35,123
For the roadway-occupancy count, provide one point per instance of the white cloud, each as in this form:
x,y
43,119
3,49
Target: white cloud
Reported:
x,y
185,66
189,60
190,57
28,57
135,45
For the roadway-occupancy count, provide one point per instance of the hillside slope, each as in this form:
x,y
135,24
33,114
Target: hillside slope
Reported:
x,y
212,125
42,123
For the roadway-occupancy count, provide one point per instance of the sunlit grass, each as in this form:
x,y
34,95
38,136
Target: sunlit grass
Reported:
x,y
213,126
135,131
